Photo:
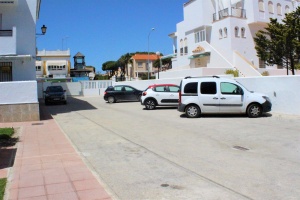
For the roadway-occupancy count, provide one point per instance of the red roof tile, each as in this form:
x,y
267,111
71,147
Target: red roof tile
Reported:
x,y
145,57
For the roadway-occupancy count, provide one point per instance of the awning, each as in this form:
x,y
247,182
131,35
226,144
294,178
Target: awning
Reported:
x,y
199,55
168,56
15,57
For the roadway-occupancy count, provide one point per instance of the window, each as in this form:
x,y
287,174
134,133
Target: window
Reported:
x,y
225,32
173,89
38,68
236,31
185,46
279,12
220,34
270,7
140,64
261,5
128,89
5,71
287,9
181,47
208,88
160,88
243,32
191,87
231,89
118,88
200,36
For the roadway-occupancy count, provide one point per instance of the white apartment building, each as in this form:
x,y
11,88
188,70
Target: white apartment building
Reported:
x,y
217,35
53,64
18,86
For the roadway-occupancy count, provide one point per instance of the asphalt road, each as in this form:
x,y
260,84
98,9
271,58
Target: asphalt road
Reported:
x,y
161,154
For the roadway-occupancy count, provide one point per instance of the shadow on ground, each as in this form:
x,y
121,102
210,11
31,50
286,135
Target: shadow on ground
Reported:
x,y
74,104
7,152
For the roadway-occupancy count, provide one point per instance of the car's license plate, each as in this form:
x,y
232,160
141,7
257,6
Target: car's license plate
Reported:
x,y
56,99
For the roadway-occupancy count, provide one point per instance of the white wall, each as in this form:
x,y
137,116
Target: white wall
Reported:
x,y
18,92
282,91
22,16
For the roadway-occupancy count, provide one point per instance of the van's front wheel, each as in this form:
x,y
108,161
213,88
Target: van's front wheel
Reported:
x,y
254,110
192,111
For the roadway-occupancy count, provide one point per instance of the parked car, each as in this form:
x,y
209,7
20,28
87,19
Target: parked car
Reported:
x,y
54,94
122,93
219,95
160,95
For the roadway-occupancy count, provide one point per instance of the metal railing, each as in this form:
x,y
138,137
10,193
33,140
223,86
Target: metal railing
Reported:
x,y
235,12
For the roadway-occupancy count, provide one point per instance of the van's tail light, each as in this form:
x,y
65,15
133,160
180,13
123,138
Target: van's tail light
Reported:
x,y
144,93
179,97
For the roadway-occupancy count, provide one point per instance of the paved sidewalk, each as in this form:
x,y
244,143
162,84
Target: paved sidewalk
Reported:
x,y
47,166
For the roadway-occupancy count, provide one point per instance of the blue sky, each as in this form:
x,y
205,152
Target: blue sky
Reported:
x,y
104,30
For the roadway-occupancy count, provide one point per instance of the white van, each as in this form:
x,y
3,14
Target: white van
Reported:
x,y
219,95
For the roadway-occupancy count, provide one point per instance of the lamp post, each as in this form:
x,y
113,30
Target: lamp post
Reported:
x,y
148,50
62,42
44,29
159,67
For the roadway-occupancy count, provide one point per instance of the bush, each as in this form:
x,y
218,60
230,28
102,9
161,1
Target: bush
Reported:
x,y
235,73
2,187
6,133
265,73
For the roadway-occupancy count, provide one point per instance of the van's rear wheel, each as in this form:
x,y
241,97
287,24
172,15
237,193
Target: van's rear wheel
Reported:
x,y
192,111
254,110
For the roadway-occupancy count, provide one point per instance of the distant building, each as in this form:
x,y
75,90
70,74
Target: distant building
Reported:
x,y
53,64
218,34
140,65
79,72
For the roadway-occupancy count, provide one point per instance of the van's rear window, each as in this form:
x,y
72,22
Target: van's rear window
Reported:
x,y
191,87
208,88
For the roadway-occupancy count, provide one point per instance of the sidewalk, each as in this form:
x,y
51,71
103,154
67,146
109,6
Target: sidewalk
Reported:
x,y
47,166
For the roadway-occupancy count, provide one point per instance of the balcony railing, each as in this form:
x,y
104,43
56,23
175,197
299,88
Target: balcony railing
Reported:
x,y
4,33
235,12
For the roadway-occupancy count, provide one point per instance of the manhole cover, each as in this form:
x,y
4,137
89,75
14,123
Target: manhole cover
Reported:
x,y
240,148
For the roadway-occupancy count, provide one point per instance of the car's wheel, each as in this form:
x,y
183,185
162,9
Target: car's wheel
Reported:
x,y
65,102
111,99
254,110
150,104
192,111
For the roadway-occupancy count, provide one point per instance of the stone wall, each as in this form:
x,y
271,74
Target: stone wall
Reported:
x,y
19,112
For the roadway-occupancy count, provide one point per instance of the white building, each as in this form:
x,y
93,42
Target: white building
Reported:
x,y
53,64
18,87
217,35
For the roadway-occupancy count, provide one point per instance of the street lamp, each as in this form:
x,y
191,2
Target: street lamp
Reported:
x,y
62,42
44,29
159,67
148,50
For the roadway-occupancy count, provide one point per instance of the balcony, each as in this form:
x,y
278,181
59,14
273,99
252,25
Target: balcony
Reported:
x,y
235,12
9,41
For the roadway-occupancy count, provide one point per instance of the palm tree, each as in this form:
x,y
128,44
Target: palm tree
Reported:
x,y
124,60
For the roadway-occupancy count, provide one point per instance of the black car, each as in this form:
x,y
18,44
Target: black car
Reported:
x,y
55,94
122,93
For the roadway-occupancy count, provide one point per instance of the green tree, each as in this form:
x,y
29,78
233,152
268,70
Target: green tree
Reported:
x,y
124,60
110,67
279,43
